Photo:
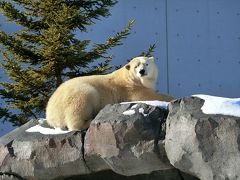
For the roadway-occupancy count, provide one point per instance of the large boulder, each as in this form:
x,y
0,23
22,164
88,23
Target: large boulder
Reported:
x,y
127,139
206,146
38,156
129,142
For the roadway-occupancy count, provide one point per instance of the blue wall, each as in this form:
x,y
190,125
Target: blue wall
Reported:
x,y
204,47
198,42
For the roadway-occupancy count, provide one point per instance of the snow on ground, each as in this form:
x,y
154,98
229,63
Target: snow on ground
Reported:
x,y
45,130
220,105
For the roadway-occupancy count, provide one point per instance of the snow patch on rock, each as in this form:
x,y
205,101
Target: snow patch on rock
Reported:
x,y
156,103
141,111
220,105
129,112
45,130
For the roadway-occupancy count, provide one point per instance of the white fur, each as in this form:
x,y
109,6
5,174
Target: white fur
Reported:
x,y
76,102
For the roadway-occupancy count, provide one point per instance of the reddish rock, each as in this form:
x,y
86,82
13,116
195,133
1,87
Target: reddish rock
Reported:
x,y
128,144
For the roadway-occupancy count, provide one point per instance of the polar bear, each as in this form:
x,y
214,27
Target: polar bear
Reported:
x,y
77,101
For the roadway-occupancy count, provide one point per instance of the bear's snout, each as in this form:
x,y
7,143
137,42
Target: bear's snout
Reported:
x,y
142,72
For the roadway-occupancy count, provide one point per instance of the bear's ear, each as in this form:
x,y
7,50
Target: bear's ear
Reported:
x,y
127,66
151,58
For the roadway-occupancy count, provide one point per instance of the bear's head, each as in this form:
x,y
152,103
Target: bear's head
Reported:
x,y
143,70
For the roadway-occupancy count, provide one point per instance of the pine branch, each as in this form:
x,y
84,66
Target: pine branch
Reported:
x,y
16,46
100,49
15,15
46,51
15,119
150,51
147,53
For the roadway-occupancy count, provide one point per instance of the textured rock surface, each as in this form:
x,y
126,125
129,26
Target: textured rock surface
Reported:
x,y
170,174
129,144
206,146
33,155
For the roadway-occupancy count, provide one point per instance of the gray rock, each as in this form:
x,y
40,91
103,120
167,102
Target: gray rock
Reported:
x,y
128,144
206,146
37,156
170,174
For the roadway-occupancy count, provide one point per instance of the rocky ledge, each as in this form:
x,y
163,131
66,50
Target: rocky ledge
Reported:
x,y
130,141
203,145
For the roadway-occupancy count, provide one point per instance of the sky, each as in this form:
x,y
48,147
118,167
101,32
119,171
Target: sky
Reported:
x,y
7,27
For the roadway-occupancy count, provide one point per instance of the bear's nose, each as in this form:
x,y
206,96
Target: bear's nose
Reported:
x,y
142,71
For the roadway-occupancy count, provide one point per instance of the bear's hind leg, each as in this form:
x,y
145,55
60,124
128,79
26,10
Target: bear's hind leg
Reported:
x,y
77,120
77,125
81,107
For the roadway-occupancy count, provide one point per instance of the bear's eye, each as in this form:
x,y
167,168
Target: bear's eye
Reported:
x,y
138,64
146,64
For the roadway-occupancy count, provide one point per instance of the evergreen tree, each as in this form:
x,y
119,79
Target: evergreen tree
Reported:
x,y
46,51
